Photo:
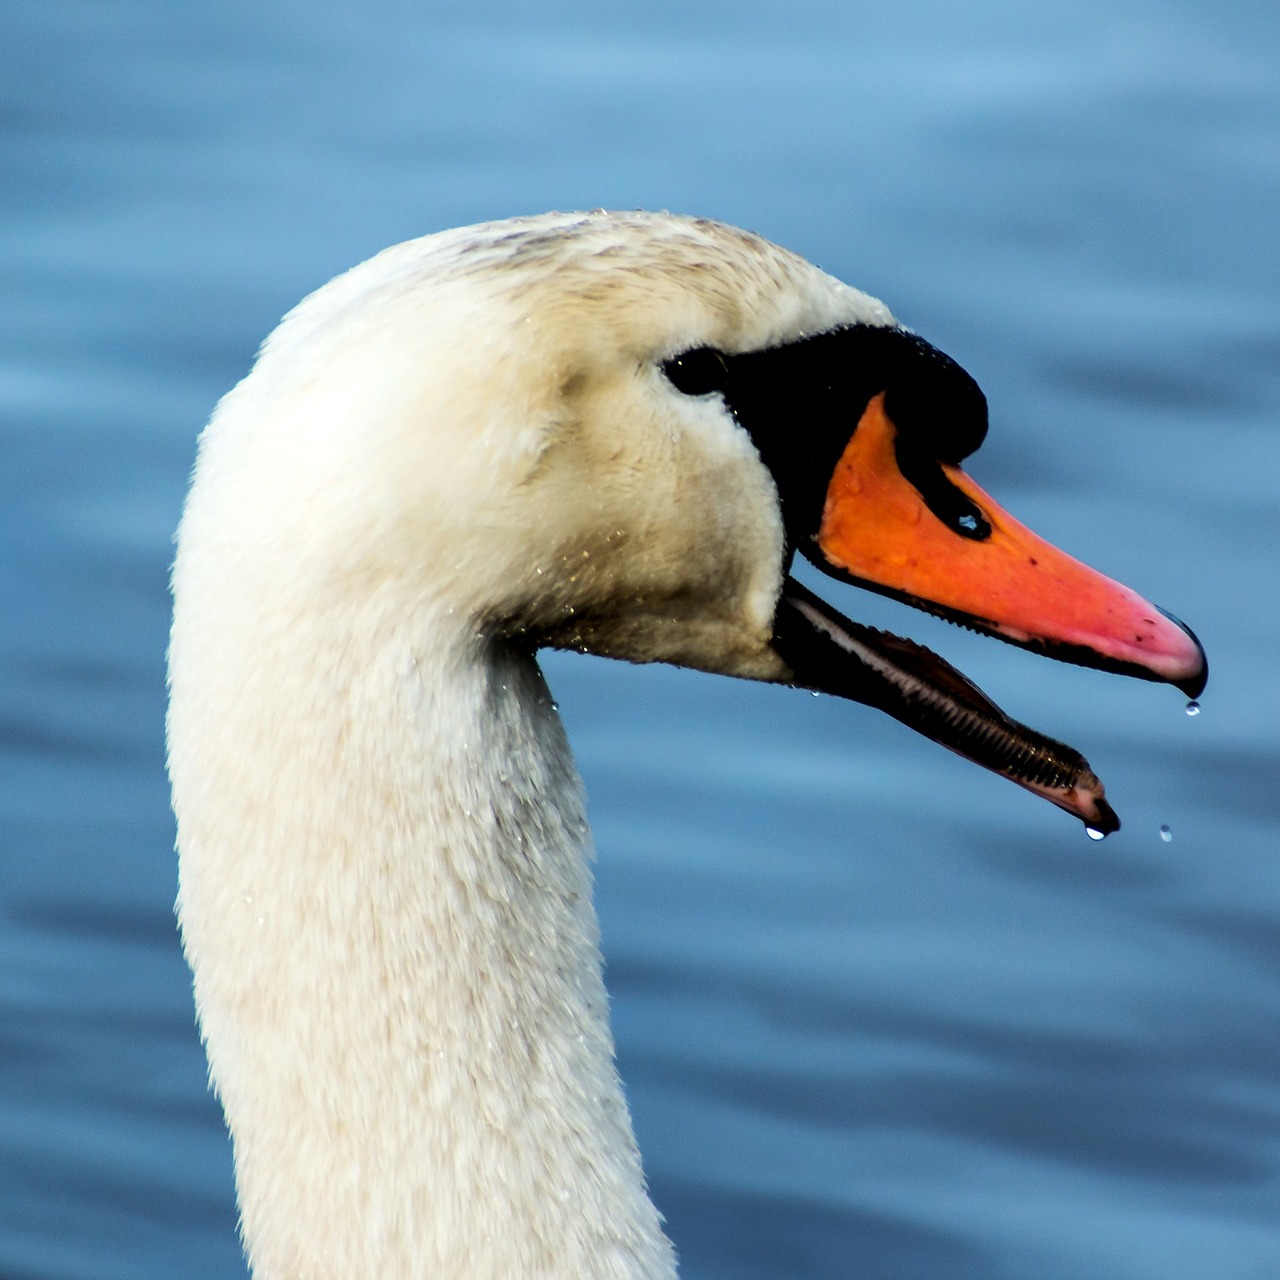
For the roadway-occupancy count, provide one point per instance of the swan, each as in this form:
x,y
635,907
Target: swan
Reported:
x,y
605,432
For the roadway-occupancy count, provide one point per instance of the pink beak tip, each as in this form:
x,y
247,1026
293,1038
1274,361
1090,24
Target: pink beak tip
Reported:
x,y
1190,667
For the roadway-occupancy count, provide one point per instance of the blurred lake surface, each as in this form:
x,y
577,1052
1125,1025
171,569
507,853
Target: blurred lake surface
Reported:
x,y
880,1013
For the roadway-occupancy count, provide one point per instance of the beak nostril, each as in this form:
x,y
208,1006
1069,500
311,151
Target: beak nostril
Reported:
x,y
946,500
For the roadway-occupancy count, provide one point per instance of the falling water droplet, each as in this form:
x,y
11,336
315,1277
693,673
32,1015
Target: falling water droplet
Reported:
x,y
1193,708
1166,834
1094,834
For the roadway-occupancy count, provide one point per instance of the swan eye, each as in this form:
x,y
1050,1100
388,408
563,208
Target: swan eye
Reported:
x,y
698,372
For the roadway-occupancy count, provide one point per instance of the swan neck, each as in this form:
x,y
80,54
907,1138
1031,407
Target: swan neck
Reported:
x,y
387,904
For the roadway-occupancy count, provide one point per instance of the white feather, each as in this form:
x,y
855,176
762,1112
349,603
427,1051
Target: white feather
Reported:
x,y
460,445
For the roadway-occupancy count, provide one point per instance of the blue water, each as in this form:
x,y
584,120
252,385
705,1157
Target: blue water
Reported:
x,y
881,1014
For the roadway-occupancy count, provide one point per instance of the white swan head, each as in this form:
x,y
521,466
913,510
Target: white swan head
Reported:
x,y
612,432
609,432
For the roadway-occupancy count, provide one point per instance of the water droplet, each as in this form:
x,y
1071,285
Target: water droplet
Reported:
x,y
1166,834
1094,834
813,693
1193,708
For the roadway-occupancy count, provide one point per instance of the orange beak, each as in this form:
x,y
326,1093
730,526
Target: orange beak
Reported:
x,y
879,529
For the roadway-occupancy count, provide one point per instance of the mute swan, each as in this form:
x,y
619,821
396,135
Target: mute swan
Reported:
x,y
606,432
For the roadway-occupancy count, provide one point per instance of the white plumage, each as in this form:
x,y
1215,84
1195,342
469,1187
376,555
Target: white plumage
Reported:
x,y
460,445
607,432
